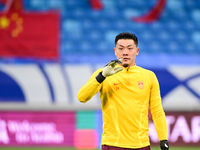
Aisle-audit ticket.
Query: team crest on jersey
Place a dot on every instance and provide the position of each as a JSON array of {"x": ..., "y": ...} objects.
[{"x": 140, "y": 84}]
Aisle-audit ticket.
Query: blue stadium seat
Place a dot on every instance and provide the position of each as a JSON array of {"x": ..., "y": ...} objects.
[{"x": 86, "y": 31}]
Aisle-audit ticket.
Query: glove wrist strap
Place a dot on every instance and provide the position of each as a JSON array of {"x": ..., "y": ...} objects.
[{"x": 100, "y": 78}]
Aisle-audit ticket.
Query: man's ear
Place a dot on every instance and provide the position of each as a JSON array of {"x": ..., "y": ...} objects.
[
  {"x": 137, "y": 50},
  {"x": 115, "y": 51}
]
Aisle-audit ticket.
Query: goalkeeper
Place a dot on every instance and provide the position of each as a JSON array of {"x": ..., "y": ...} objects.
[{"x": 127, "y": 91}]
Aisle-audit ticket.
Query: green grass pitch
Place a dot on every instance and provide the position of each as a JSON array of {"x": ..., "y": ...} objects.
[{"x": 46, "y": 148}]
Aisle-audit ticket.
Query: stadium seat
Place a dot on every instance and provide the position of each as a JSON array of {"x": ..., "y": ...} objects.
[{"x": 85, "y": 31}]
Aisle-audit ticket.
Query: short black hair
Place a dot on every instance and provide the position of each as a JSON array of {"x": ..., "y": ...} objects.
[{"x": 126, "y": 35}]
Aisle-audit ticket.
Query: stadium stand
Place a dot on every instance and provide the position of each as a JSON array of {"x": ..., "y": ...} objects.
[{"x": 88, "y": 32}]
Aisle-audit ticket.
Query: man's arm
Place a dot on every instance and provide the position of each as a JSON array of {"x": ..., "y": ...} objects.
[
  {"x": 87, "y": 91},
  {"x": 94, "y": 83},
  {"x": 158, "y": 114}
]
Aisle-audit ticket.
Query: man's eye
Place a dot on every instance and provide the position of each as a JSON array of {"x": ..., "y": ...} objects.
[
  {"x": 120, "y": 48},
  {"x": 130, "y": 48}
]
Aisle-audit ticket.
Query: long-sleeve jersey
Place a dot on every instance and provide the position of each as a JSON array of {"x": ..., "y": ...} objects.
[{"x": 125, "y": 99}]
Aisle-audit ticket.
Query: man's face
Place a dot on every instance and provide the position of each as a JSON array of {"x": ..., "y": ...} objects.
[{"x": 126, "y": 49}]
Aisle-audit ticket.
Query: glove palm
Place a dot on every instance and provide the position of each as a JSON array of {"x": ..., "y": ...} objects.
[{"x": 110, "y": 69}]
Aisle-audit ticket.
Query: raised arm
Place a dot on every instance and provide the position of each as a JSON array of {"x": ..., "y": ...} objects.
[
  {"x": 95, "y": 82},
  {"x": 87, "y": 91}
]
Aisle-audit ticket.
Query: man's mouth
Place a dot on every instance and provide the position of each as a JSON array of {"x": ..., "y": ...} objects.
[{"x": 125, "y": 59}]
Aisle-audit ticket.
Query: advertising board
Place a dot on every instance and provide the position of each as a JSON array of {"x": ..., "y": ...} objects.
[
  {"x": 36, "y": 128},
  {"x": 55, "y": 87},
  {"x": 83, "y": 129},
  {"x": 183, "y": 129}
]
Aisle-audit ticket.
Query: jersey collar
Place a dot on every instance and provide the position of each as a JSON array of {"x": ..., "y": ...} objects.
[{"x": 130, "y": 69}]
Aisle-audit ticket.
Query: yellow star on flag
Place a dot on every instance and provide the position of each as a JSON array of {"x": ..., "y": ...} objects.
[{"x": 4, "y": 22}]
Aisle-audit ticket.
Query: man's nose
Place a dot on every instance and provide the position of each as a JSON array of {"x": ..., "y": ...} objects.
[{"x": 125, "y": 52}]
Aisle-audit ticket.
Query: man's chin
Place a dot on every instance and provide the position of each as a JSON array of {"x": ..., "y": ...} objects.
[{"x": 125, "y": 65}]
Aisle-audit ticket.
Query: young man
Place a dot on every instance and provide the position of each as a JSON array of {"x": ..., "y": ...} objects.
[{"x": 126, "y": 92}]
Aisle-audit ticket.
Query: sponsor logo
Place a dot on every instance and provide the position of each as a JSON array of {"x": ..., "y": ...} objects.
[
  {"x": 183, "y": 129},
  {"x": 166, "y": 145},
  {"x": 117, "y": 83}
]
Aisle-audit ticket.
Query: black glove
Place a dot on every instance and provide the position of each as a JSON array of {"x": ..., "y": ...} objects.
[{"x": 164, "y": 145}]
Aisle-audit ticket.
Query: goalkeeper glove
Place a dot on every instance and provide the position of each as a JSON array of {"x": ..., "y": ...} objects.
[
  {"x": 109, "y": 70},
  {"x": 164, "y": 145}
]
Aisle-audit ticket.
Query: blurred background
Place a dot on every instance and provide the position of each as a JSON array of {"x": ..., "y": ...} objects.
[{"x": 50, "y": 48}]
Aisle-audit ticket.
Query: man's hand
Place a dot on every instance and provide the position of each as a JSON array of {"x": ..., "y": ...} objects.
[
  {"x": 109, "y": 70},
  {"x": 164, "y": 145}
]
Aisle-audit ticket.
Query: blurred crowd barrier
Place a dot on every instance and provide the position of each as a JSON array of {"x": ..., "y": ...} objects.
[{"x": 55, "y": 87}]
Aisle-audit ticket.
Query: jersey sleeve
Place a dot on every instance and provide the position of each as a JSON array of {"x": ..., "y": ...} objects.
[
  {"x": 88, "y": 90},
  {"x": 156, "y": 109}
]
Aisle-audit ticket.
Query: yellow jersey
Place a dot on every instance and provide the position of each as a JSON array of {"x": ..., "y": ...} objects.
[{"x": 125, "y": 99}]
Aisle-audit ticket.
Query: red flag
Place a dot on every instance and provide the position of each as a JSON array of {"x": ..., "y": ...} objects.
[
  {"x": 96, "y": 4},
  {"x": 153, "y": 14},
  {"x": 28, "y": 34}
]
